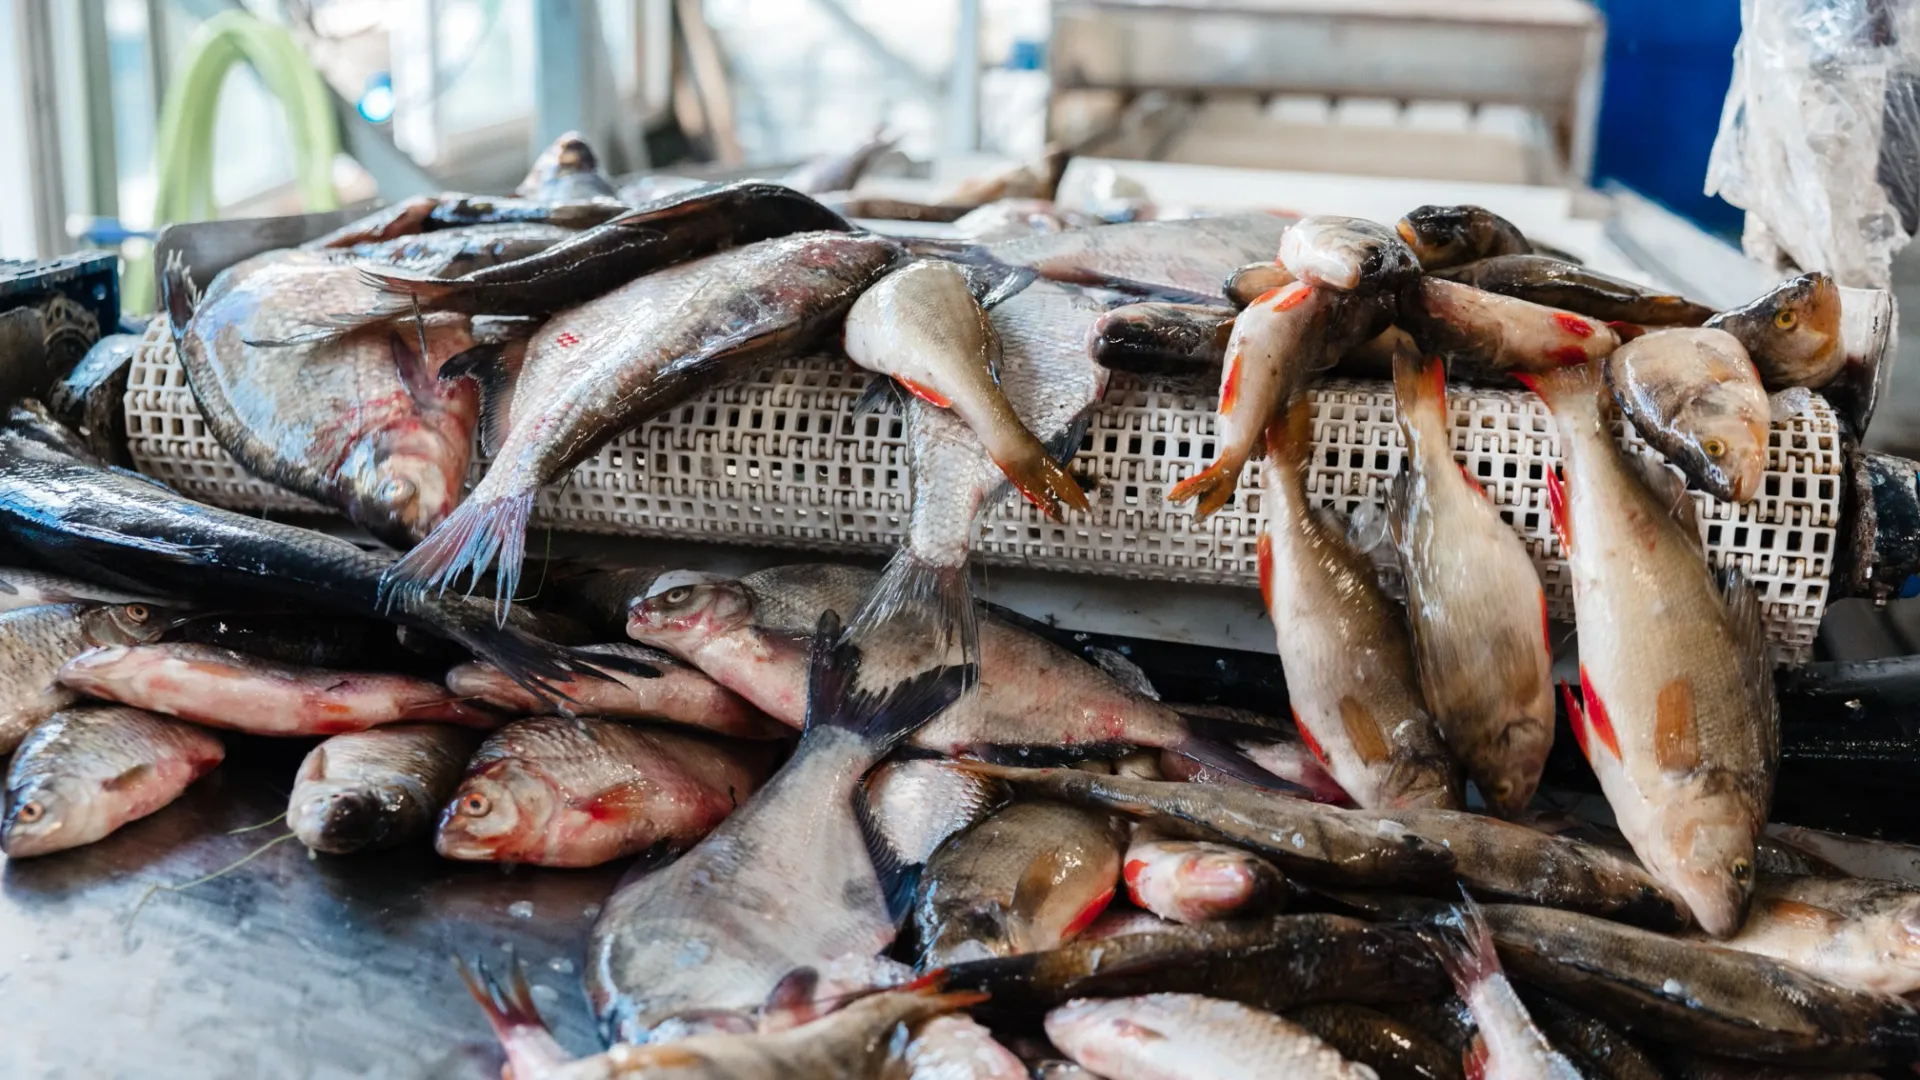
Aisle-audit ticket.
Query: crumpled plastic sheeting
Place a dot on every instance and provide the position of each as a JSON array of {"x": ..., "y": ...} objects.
[{"x": 1820, "y": 138}]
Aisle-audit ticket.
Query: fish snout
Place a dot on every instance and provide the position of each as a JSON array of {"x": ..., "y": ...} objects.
[
  {"x": 341, "y": 821},
  {"x": 93, "y": 671}
]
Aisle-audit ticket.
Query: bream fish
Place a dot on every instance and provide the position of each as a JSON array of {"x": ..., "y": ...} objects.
[
  {"x": 376, "y": 789},
  {"x": 918, "y": 804},
  {"x": 1856, "y": 932},
  {"x": 1163, "y": 1036},
  {"x": 89, "y": 770},
  {"x": 675, "y": 693},
  {"x": 36, "y": 641}
]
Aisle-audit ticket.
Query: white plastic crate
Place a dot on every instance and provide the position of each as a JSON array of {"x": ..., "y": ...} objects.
[{"x": 782, "y": 460}]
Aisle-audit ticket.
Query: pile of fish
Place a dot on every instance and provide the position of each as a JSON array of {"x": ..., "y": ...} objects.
[{"x": 879, "y": 829}]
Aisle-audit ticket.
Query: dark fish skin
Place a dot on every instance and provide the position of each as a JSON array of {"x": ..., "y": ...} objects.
[
  {"x": 1702, "y": 996},
  {"x": 601, "y": 598},
  {"x": 567, "y": 170},
  {"x": 1444, "y": 236},
  {"x": 839, "y": 172},
  {"x": 1161, "y": 339},
  {"x": 378, "y": 788},
  {"x": 1280, "y": 963},
  {"x": 1599, "y": 1049},
  {"x": 125, "y": 530},
  {"x": 1254, "y": 280},
  {"x": 453, "y": 252},
  {"x": 360, "y": 422},
  {"x": 452, "y": 210},
  {"x": 303, "y": 640},
  {"x": 1572, "y": 287},
  {"x": 647, "y": 238},
  {"x": 597, "y": 369},
  {"x": 1393, "y": 1048},
  {"x": 1792, "y": 333}
]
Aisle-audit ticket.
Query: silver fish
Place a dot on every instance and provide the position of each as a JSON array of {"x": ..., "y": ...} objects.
[
  {"x": 89, "y": 770},
  {"x": 1508, "y": 1045},
  {"x": 1347, "y": 253},
  {"x": 21, "y": 588},
  {"x": 918, "y": 804},
  {"x": 1166, "y": 1035},
  {"x": 676, "y": 693},
  {"x": 36, "y": 641},
  {"x": 379, "y": 788}
]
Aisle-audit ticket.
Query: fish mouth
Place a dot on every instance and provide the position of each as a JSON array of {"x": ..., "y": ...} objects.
[{"x": 341, "y": 822}]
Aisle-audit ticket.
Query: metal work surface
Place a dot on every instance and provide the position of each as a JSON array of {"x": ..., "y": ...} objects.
[{"x": 286, "y": 966}]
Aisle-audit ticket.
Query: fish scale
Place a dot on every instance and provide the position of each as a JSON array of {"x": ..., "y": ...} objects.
[
  {"x": 89, "y": 770},
  {"x": 36, "y": 641}
]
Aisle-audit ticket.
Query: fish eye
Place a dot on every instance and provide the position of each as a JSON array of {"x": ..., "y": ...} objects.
[
  {"x": 1742, "y": 871},
  {"x": 29, "y": 813},
  {"x": 138, "y": 613},
  {"x": 679, "y": 595},
  {"x": 398, "y": 489},
  {"x": 1785, "y": 319},
  {"x": 1713, "y": 447},
  {"x": 475, "y": 805}
]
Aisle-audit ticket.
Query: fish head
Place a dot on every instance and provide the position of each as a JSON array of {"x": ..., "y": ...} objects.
[
  {"x": 500, "y": 809},
  {"x": 555, "y": 173},
  {"x": 1722, "y": 440},
  {"x": 44, "y": 813},
  {"x": 1344, "y": 253},
  {"x": 403, "y": 484},
  {"x": 1711, "y": 863},
  {"x": 130, "y": 624},
  {"x": 1904, "y": 945},
  {"x": 1439, "y": 235},
  {"x": 1793, "y": 332},
  {"x": 343, "y": 818},
  {"x": 680, "y": 618}
]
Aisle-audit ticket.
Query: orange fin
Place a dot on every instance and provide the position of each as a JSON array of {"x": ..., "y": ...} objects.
[
  {"x": 924, "y": 393},
  {"x": 1306, "y": 736},
  {"x": 1085, "y": 919},
  {"x": 1557, "y": 505},
  {"x": 1597, "y": 717},
  {"x": 1576, "y": 719},
  {"x": 1474, "y": 482},
  {"x": 1045, "y": 484},
  {"x": 1230, "y": 385},
  {"x": 1213, "y": 485}
]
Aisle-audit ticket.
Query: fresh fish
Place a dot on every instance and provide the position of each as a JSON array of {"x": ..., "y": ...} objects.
[
  {"x": 1029, "y": 877},
  {"x": 641, "y": 241},
  {"x": 795, "y": 879},
  {"x": 595, "y": 370},
  {"x": 1485, "y": 334},
  {"x": 566, "y": 171},
  {"x": 1161, "y": 338},
  {"x": 1855, "y": 932},
  {"x": 454, "y": 210},
  {"x": 1679, "y": 722},
  {"x": 1393, "y": 1048},
  {"x": 287, "y": 635},
  {"x": 1119, "y": 921},
  {"x": 1474, "y": 601},
  {"x": 556, "y": 792},
  {"x": 1276, "y": 963},
  {"x": 1013, "y": 219},
  {"x": 379, "y": 788},
  {"x": 1347, "y": 253},
  {"x": 21, "y": 588},
  {"x": 89, "y": 770},
  {"x": 36, "y": 641},
  {"x": 1508, "y": 1046},
  {"x": 1708, "y": 998},
  {"x": 1569, "y": 286},
  {"x": 1036, "y": 179},
  {"x": 676, "y": 693},
  {"x": 750, "y": 634},
  {"x": 955, "y": 1047},
  {"x": 864, "y": 1041},
  {"x": 1695, "y": 397},
  {"x": 127, "y": 531},
  {"x": 921, "y": 326},
  {"x": 1277, "y": 344},
  {"x": 839, "y": 172},
  {"x": 1162, "y": 1036},
  {"x": 1185, "y": 260},
  {"x": 225, "y": 689},
  {"x": 1256, "y": 279},
  {"x": 1349, "y": 664},
  {"x": 1190, "y": 881},
  {"x": 361, "y": 423},
  {"x": 1599, "y": 1050},
  {"x": 1306, "y": 840},
  {"x": 1280, "y": 751},
  {"x": 601, "y": 598},
  {"x": 884, "y": 208},
  {"x": 1447, "y": 236},
  {"x": 1832, "y": 854},
  {"x": 1792, "y": 333},
  {"x": 454, "y": 252},
  {"x": 917, "y": 805}
]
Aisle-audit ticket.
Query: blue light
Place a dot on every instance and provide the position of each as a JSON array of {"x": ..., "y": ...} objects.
[{"x": 376, "y": 103}]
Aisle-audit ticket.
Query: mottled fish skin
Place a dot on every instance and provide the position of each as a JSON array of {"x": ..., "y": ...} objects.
[
  {"x": 922, "y": 326},
  {"x": 919, "y": 804},
  {"x": 678, "y": 693},
  {"x": 1855, "y": 932},
  {"x": 1572, "y": 287},
  {"x": 1792, "y": 332},
  {"x": 1679, "y": 723},
  {"x": 1485, "y": 334},
  {"x": 227, "y": 689},
  {"x": 1192, "y": 256},
  {"x": 1446, "y": 236},
  {"x": 22, "y": 588},
  {"x": 1696, "y": 397},
  {"x": 376, "y": 789},
  {"x": 1349, "y": 664},
  {"x": 1161, "y": 338},
  {"x": 453, "y": 252},
  {"x": 1703, "y": 996},
  {"x": 1393, "y": 1048},
  {"x": 36, "y": 641},
  {"x": 557, "y": 792},
  {"x": 1169, "y": 1036},
  {"x": 89, "y": 770},
  {"x": 1347, "y": 253},
  {"x": 361, "y": 423},
  {"x": 956, "y": 1047},
  {"x": 1474, "y": 602},
  {"x": 1190, "y": 881},
  {"x": 595, "y": 370},
  {"x": 1029, "y": 877},
  {"x": 1508, "y": 1044}
]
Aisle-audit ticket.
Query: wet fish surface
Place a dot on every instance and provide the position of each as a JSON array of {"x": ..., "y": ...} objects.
[
  {"x": 1158, "y": 338},
  {"x": 1188, "y": 881},
  {"x": 1508, "y": 1044},
  {"x": 89, "y": 770},
  {"x": 1394, "y": 1049},
  {"x": 376, "y": 789},
  {"x": 1485, "y": 334},
  {"x": 36, "y": 641},
  {"x": 1189, "y": 257},
  {"x": 675, "y": 693},
  {"x": 1792, "y": 333},
  {"x": 1556, "y": 283},
  {"x": 558, "y": 792},
  {"x": 1166, "y": 1035},
  {"x": 1857, "y": 932},
  {"x": 955, "y": 1047},
  {"x": 1347, "y": 253},
  {"x": 919, "y": 804},
  {"x": 1696, "y": 397},
  {"x": 23, "y": 588},
  {"x": 1446, "y": 236}
]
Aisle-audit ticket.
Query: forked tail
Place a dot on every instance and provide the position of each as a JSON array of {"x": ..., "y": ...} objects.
[
  {"x": 480, "y": 532},
  {"x": 531, "y": 1050},
  {"x": 1042, "y": 481},
  {"x": 917, "y": 601},
  {"x": 1468, "y": 954},
  {"x": 1213, "y": 485},
  {"x": 841, "y": 695}
]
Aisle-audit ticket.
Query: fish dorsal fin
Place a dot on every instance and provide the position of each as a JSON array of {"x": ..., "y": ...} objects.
[
  {"x": 1750, "y": 645},
  {"x": 1669, "y": 489},
  {"x": 899, "y": 879}
]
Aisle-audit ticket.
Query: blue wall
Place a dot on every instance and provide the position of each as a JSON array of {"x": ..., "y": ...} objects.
[{"x": 1668, "y": 65}]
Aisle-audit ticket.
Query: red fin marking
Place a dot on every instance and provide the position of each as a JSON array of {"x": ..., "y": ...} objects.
[
  {"x": 1473, "y": 1060},
  {"x": 1568, "y": 355},
  {"x": 1531, "y": 382},
  {"x": 1437, "y": 371},
  {"x": 1626, "y": 331},
  {"x": 1474, "y": 483},
  {"x": 1230, "y": 389},
  {"x": 1573, "y": 324},
  {"x": 1134, "y": 868},
  {"x": 1263, "y": 551},
  {"x": 1087, "y": 915},
  {"x": 1597, "y": 716},
  {"x": 1557, "y": 505},
  {"x": 1301, "y": 290},
  {"x": 1265, "y": 296},
  {"x": 1313, "y": 744},
  {"x": 937, "y": 400},
  {"x": 1575, "y": 718}
]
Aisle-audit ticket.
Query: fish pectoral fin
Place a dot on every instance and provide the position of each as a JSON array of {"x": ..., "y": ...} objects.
[
  {"x": 495, "y": 372},
  {"x": 881, "y": 395},
  {"x": 792, "y": 998},
  {"x": 624, "y": 800},
  {"x": 128, "y": 779},
  {"x": 1800, "y": 915},
  {"x": 1042, "y": 877}
]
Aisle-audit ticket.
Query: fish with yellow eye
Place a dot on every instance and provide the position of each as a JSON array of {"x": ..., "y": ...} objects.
[{"x": 1792, "y": 332}]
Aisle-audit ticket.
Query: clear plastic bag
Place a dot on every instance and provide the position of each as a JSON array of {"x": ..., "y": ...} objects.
[{"x": 1820, "y": 138}]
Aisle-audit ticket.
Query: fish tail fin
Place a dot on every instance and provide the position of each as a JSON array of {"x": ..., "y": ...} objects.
[
  {"x": 881, "y": 717},
  {"x": 474, "y": 536},
  {"x": 1042, "y": 480},
  {"x": 1223, "y": 758},
  {"x": 931, "y": 600},
  {"x": 400, "y": 290},
  {"x": 1212, "y": 486},
  {"x": 1469, "y": 956},
  {"x": 530, "y": 1047}
]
